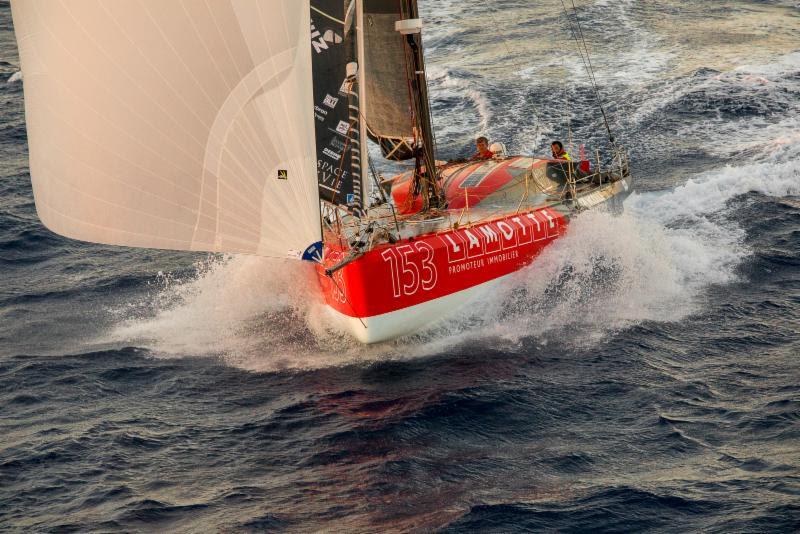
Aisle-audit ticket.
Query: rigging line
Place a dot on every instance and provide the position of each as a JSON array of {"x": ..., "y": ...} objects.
[
  {"x": 587, "y": 61},
  {"x": 585, "y": 47},
  {"x": 334, "y": 19},
  {"x": 567, "y": 111},
  {"x": 583, "y": 50},
  {"x": 421, "y": 102},
  {"x": 537, "y": 125},
  {"x": 371, "y": 165},
  {"x": 579, "y": 48},
  {"x": 592, "y": 81},
  {"x": 433, "y": 141},
  {"x": 583, "y": 57}
]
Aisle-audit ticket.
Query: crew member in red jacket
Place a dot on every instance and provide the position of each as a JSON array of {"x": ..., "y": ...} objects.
[{"x": 483, "y": 152}]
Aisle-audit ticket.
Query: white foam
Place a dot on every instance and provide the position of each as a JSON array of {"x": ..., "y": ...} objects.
[
  {"x": 777, "y": 66},
  {"x": 444, "y": 83},
  {"x": 257, "y": 314},
  {"x": 653, "y": 263},
  {"x": 664, "y": 252},
  {"x": 15, "y": 78},
  {"x": 214, "y": 312}
]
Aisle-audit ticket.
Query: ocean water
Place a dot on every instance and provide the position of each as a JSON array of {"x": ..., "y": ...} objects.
[{"x": 643, "y": 375}]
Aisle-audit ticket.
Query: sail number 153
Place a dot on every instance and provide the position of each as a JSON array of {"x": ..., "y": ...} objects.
[{"x": 412, "y": 268}]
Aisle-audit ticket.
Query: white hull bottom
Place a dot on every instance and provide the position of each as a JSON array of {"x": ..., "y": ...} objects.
[{"x": 414, "y": 318}]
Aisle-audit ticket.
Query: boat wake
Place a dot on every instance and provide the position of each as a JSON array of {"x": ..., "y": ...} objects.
[{"x": 653, "y": 263}]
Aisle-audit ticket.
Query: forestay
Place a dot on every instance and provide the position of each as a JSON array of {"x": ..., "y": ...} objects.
[{"x": 172, "y": 124}]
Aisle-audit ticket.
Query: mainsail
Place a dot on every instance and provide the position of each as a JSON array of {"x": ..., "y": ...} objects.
[
  {"x": 398, "y": 109},
  {"x": 390, "y": 77},
  {"x": 390, "y": 117},
  {"x": 336, "y": 101},
  {"x": 172, "y": 124}
]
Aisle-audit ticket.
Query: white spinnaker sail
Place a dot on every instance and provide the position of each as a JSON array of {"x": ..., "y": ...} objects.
[{"x": 167, "y": 123}]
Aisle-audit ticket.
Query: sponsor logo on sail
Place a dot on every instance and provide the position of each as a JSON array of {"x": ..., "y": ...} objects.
[
  {"x": 283, "y": 174},
  {"x": 330, "y": 101},
  {"x": 337, "y": 144},
  {"x": 343, "y": 127},
  {"x": 320, "y": 113},
  {"x": 321, "y": 41},
  {"x": 331, "y": 154},
  {"x": 329, "y": 174}
]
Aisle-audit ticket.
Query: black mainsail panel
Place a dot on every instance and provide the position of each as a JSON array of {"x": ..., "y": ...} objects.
[{"x": 333, "y": 48}]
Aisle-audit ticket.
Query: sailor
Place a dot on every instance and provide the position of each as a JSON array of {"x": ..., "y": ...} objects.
[
  {"x": 483, "y": 153},
  {"x": 558, "y": 151}
]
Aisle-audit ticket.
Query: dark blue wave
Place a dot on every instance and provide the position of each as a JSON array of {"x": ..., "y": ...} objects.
[
  {"x": 621, "y": 509},
  {"x": 674, "y": 425}
]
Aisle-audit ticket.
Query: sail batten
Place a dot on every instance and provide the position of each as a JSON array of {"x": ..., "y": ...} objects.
[{"x": 181, "y": 125}]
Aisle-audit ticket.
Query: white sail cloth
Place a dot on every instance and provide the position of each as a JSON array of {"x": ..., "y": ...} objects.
[{"x": 179, "y": 124}]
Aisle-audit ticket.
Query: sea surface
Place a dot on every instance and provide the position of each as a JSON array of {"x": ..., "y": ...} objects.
[{"x": 643, "y": 375}]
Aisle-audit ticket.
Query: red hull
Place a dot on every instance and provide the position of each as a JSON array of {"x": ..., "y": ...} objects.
[{"x": 389, "y": 278}]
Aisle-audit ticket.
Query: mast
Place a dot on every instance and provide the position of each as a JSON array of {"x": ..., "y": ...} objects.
[
  {"x": 362, "y": 102},
  {"x": 425, "y": 180}
]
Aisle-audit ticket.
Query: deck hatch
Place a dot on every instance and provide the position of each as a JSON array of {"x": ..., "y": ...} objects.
[{"x": 477, "y": 176}]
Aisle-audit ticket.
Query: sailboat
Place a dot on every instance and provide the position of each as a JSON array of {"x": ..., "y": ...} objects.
[{"x": 241, "y": 126}]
